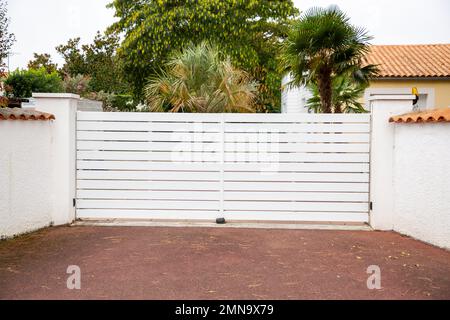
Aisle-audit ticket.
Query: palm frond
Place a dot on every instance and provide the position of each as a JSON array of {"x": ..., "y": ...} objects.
[
  {"x": 198, "y": 79},
  {"x": 324, "y": 45}
]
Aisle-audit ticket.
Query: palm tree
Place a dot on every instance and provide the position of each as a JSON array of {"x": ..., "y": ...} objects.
[
  {"x": 323, "y": 45},
  {"x": 346, "y": 96},
  {"x": 199, "y": 80}
]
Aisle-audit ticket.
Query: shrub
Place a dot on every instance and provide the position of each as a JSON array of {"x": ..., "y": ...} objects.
[
  {"x": 123, "y": 102},
  {"x": 23, "y": 83},
  {"x": 4, "y": 101},
  {"x": 114, "y": 102},
  {"x": 199, "y": 79},
  {"x": 78, "y": 84}
]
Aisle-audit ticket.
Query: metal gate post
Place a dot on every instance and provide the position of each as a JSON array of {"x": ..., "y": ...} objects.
[{"x": 222, "y": 164}]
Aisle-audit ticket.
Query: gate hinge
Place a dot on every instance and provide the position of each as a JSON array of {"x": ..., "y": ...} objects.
[
  {"x": 371, "y": 205},
  {"x": 74, "y": 202}
]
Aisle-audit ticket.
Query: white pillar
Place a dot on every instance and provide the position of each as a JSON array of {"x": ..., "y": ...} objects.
[
  {"x": 382, "y": 151},
  {"x": 64, "y": 107}
]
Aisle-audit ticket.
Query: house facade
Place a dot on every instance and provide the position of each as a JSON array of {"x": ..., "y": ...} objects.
[{"x": 401, "y": 68}]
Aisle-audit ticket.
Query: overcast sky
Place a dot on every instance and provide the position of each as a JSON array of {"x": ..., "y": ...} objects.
[{"x": 41, "y": 25}]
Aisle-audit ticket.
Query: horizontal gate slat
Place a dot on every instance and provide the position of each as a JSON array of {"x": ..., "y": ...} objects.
[
  {"x": 297, "y": 216},
  {"x": 229, "y": 186},
  {"x": 216, "y": 117},
  {"x": 268, "y": 177},
  {"x": 230, "y": 215},
  {"x": 147, "y": 185},
  {"x": 141, "y": 165},
  {"x": 280, "y": 137},
  {"x": 148, "y": 175},
  {"x": 263, "y": 168},
  {"x": 228, "y": 205},
  {"x": 297, "y": 196},
  {"x": 295, "y": 206},
  {"x": 295, "y": 147},
  {"x": 215, "y": 195},
  {"x": 297, "y": 127},
  {"x": 296, "y": 157},
  {"x": 147, "y": 146},
  {"x": 145, "y": 195},
  {"x": 229, "y": 127},
  {"x": 297, "y": 167},
  {"x": 147, "y": 117},
  {"x": 229, "y": 147},
  {"x": 147, "y": 126},
  {"x": 147, "y": 204},
  {"x": 229, "y": 156},
  {"x": 209, "y": 215},
  {"x": 295, "y": 176},
  {"x": 296, "y": 118},
  {"x": 229, "y": 137},
  {"x": 148, "y": 136},
  {"x": 297, "y": 186},
  {"x": 151, "y": 156}
]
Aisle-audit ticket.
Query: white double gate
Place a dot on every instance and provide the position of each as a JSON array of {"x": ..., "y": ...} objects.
[{"x": 248, "y": 167}]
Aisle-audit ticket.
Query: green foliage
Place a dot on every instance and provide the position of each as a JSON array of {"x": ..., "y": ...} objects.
[
  {"x": 78, "y": 84},
  {"x": 322, "y": 46},
  {"x": 42, "y": 61},
  {"x": 198, "y": 79},
  {"x": 23, "y": 83},
  {"x": 247, "y": 31},
  {"x": 123, "y": 102},
  {"x": 75, "y": 63},
  {"x": 114, "y": 102},
  {"x": 98, "y": 61},
  {"x": 4, "y": 101},
  {"x": 346, "y": 95},
  {"x": 7, "y": 39}
]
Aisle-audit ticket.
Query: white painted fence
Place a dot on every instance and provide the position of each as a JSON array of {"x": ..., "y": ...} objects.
[{"x": 254, "y": 167}]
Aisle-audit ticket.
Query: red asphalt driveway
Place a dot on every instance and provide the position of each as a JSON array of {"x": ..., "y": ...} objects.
[{"x": 220, "y": 263}]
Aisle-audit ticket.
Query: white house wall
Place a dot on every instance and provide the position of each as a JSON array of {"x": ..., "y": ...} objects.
[{"x": 293, "y": 100}]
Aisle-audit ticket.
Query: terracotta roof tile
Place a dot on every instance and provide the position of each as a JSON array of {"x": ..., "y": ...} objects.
[
  {"x": 411, "y": 61},
  {"x": 436, "y": 115},
  {"x": 23, "y": 114}
]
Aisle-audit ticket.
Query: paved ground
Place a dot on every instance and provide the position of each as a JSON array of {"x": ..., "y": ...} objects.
[{"x": 202, "y": 263}]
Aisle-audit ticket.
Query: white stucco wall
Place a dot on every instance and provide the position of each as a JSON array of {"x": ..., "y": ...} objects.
[
  {"x": 64, "y": 107},
  {"x": 422, "y": 182},
  {"x": 382, "y": 155},
  {"x": 37, "y": 167},
  {"x": 26, "y": 160}
]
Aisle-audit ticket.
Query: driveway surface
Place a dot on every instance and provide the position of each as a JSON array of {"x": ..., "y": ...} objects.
[{"x": 220, "y": 263}]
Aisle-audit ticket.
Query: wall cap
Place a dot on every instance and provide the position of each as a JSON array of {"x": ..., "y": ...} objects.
[
  {"x": 388, "y": 97},
  {"x": 56, "y": 95}
]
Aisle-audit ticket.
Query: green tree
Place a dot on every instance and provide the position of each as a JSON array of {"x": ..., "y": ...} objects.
[
  {"x": 199, "y": 80},
  {"x": 97, "y": 60},
  {"x": 104, "y": 66},
  {"x": 42, "y": 61},
  {"x": 7, "y": 39},
  {"x": 248, "y": 31},
  {"x": 323, "y": 45},
  {"x": 75, "y": 62},
  {"x": 23, "y": 83},
  {"x": 346, "y": 96}
]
